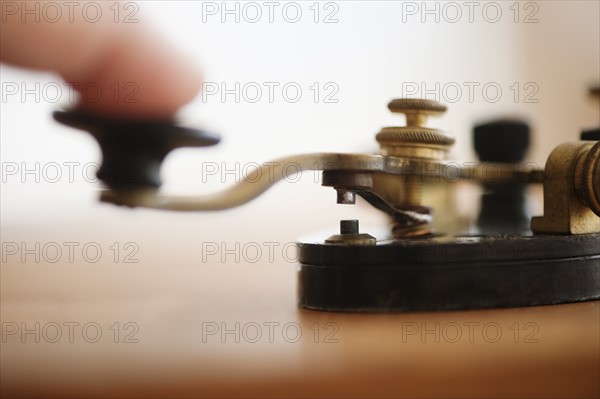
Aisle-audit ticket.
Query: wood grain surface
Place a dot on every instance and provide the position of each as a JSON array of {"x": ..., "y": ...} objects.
[{"x": 187, "y": 328}]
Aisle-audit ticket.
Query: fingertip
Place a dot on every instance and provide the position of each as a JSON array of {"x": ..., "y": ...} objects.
[{"x": 141, "y": 77}]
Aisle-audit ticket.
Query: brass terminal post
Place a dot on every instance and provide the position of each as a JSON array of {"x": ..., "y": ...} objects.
[
  {"x": 571, "y": 190},
  {"x": 413, "y": 142}
]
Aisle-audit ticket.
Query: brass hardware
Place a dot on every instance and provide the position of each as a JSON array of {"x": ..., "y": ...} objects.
[
  {"x": 415, "y": 140},
  {"x": 571, "y": 190},
  {"x": 412, "y": 142},
  {"x": 587, "y": 178}
]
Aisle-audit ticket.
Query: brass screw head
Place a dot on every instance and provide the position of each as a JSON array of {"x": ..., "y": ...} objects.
[
  {"x": 416, "y": 110},
  {"x": 415, "y": 140}
]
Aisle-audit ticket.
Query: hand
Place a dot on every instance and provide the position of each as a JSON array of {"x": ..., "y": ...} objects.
[{"x": 138, "y": 74}]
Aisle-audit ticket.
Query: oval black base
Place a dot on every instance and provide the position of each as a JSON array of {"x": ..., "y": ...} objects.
[{"x": 461, "y": 273}]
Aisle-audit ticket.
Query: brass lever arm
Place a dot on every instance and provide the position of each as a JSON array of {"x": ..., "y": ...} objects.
[{"x": 262, "y": 178}]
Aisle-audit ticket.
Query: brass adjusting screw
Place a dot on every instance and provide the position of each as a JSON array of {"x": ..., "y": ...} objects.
[{"x": 414, "y": 141}]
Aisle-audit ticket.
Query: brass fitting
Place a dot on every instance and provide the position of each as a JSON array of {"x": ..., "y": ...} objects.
[
  {"x": 571, "y": 190},
  {"x": 587, "y": 178},
  {"x": 413, "y": 142}
]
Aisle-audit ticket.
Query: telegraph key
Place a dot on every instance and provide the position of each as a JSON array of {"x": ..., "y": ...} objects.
[{"x": 507, "y": 259}]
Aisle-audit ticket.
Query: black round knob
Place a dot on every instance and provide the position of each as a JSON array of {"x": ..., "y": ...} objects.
[
  {"x": 593, "y": 135},
  {"x": 133, "y": 151},
  {"x": 501, "y": 141}
]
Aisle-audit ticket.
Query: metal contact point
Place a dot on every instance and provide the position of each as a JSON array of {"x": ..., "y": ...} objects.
[
  {"x": 349, "y": 226},
  {"x": 346, "y": 197}
]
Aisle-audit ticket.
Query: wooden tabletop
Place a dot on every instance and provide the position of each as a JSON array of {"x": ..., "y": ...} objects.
[{"x": 172, "y": 325}]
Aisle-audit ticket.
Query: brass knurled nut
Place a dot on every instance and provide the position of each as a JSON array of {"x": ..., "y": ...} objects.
[{"x": 415, "y": 140}]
